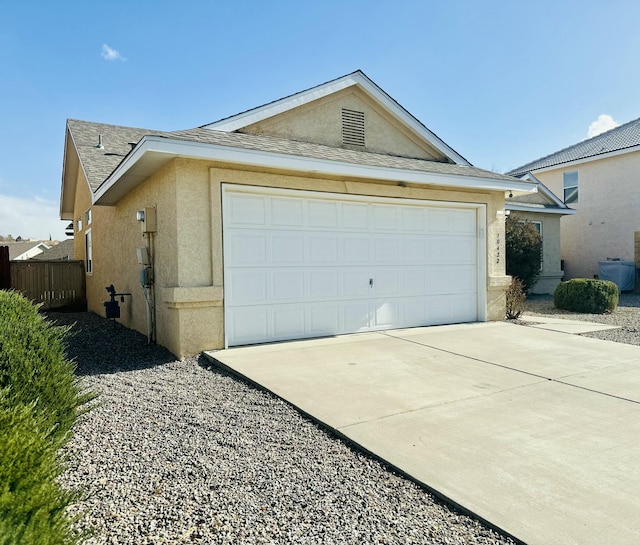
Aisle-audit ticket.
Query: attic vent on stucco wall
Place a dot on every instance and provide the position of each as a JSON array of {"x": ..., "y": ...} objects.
[{"x": 353, "y": 128}]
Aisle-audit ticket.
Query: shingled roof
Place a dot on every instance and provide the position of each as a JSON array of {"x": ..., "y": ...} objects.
[
  {"x": 118, "y": 141},
  {"x": 622, "y": 137}
]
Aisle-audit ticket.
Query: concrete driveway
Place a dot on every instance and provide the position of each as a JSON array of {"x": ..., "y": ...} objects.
[{"x": 536, "y": 431}]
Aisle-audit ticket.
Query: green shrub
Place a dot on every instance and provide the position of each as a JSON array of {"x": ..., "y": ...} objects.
[
  {"x": 586, "y": 295},
  {"x": 32, "y": 505},
  {"x": 33, "y": 364},
  {"x": 523, "y": 250},
  {"x": 516, "y": 296},
  {"x": 39, "y": 401}
]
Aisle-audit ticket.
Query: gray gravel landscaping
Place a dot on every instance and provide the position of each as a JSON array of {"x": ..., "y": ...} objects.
[
  {"x": 626, "y": 317},
  {"x": 178, "y": 452}
]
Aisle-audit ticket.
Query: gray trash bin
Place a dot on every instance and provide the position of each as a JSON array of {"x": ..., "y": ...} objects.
[{"x": 622, "y": 273}]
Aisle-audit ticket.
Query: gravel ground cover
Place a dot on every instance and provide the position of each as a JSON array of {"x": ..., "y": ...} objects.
[
  {"x": 177, "y": 452},
  {"x": 626, "y": 316}
]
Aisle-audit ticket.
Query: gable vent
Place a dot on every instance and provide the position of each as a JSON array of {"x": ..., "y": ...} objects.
[{"x": 353, "y": 128}]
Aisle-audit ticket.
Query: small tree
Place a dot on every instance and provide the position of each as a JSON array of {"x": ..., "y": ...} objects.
[{"x": 524, "y": 249}]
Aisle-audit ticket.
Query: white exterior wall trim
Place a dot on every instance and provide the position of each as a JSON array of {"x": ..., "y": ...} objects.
[
  {"x": 524, "y": 208},
  {"x": 133, "y": 169}
]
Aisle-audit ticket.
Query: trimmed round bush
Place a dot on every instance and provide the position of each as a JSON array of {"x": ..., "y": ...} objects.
[{"x": 586, "y": 295}]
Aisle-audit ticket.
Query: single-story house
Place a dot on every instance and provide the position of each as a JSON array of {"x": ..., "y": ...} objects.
[
  {"x": 330, "y": 211},
  {"x": 25, "y": 249},
  {"x": 61, "y": 251},
  {"x": 544, "y": 210},
  {"x": 598, "y": 177}
]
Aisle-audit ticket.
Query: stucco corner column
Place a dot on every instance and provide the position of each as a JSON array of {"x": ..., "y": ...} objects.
[
  {"x": 198, "y": 321},
  {"x": 496, "y": 297}
]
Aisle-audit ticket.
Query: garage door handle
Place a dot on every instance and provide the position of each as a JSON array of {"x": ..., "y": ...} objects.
[{"x": 371, "y": 282}]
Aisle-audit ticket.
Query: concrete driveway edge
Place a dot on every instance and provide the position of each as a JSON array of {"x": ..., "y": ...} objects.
[{"x": 210, "y": 356}]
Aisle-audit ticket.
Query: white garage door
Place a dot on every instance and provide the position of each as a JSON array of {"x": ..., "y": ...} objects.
[{"x": 302, "y": 264}]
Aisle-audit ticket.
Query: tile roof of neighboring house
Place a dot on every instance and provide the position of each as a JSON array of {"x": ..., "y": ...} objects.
[
  {"x": 16, "y": 249},
  {"x": 58, "y": 252},
  {"x": 622, "y": 137},
  {"x": 100, "y": 163}
]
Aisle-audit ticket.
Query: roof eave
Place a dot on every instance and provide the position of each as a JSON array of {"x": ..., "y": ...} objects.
[
  {"x": 70, "y": 164},
  {"x": 524, "y": 208},
  {"x": 566, "y": 164},
  {"x": 152, "y": 152}
]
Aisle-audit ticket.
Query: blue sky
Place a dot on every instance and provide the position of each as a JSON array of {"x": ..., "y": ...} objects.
[{"x": 502, "y": 82}]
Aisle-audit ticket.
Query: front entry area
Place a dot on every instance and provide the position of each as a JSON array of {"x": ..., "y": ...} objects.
[{"x": 300, "y": 264}]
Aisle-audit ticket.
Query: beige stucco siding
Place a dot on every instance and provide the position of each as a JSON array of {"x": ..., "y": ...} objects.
[
  {"x": 551, "y": 274},
  {"x": 189, "y": 240},
  {"x": 607, "y": 212},
  {"x": 320, "y": 122},
  {"x": 116, "y": 236}
]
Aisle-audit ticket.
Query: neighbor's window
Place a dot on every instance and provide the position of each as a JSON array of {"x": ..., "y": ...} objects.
[
  {"x": 88, "y": 256},
  {"x": 78, "y": 225},
  {"x": 87, "y": 217},
  {"x": 570, "y": 186}
]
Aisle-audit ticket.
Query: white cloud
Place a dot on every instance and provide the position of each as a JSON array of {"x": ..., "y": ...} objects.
[
  {"x": 33, "y": 218},
  {"x": 604, "y": 123},
  {"x": 111, "y": 54}
]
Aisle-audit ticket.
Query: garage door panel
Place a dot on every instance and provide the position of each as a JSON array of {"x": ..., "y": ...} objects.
[
  {"x": 287, "y": 212},
  {"x": 322, "y": 214},
  {"x": 438, "y": 220},
  {"x": 463, "y": 222},
  {"x": 309, "y": 266},
  {"x": 355, "y": 316},
  {"x": 386, "y": 282},
  {"x": 246, "y": 248},
  {"x": 414, "y": 311},
  {"x": 413, "y": 219},
  {"x": 355, "y": 249},
  {"x": 247, "y": 210},
  {"x": 355, "y": 216},
  {"x": 355, "y": 283},
  {"x": 323, "y": 284},
  {"x": 246, "y": 286},
  {"x": 385, "y": 217},
  {"x": 324, "y": 319},
  {"x": 322, "y": 249},
  {"x": 286, "y": 248},
  {"x": 287, "y": 285},
  {"x": 386, "y": 249},
  {"x": 414, "y": 282},
  {"x": 288, "y": 321},
  {"x": 415, "y": 250},
  {"x": 248, "y": 324}
]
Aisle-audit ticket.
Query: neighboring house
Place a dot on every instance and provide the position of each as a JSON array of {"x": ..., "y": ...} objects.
[
  {"x": 544, "y": 209},
  {"x": 23, "y": 250},
  {"x": 330, "y": 211},
  {"x": 600, "y": 178},
  {"x": 62, "y": 251}
]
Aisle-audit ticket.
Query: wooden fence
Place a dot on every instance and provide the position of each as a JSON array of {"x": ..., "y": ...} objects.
[{"x": 55, "y": 284}]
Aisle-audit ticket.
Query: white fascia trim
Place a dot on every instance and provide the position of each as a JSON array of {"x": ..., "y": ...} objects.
[
  {"x": 279, "y": 106},
  {"x": 576, "y": 162},
  {"x": 524, "y": 208},
  {"x": 304, "y": 97},
  {"x": 214, "y": 152}
]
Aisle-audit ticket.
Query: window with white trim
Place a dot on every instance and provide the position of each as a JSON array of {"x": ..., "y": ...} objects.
[
  {"x": 88, "y": 255},
  {"x": 87, "y": 217},
  {"x": 570, "y": 186},
  {"x": 79, "y": 225}
]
